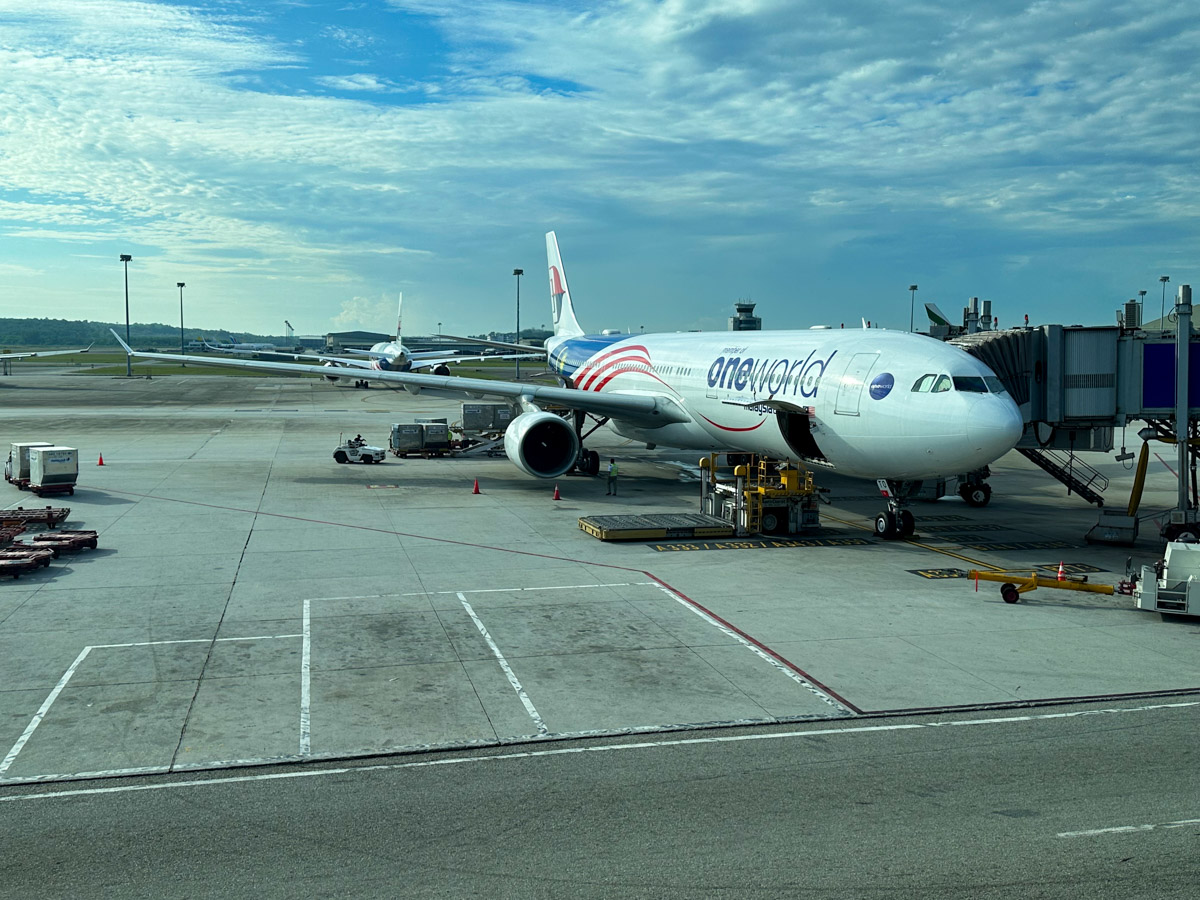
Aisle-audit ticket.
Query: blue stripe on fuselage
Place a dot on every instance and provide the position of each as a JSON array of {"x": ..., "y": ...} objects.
[{"x": 572, "y": 353}]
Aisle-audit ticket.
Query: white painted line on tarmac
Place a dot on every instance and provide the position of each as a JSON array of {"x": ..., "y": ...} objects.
[
  {"x": 305, "y": 681},
  {"x": 42, "y": 710},
  {"x": 1128, "y": 829},
  {"x": 591, "y": 748},
  {"x": 512, "y": 678},
  {"x": 62, "y": 682},
  {"x": 510, "y": 590},
  {"x": 759, "y": 652}
]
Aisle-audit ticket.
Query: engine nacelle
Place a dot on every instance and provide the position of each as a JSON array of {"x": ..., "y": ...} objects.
[
  {"x": 541, "y": 444},
  {"x": 441, "y": 369},
  {"x": 333, "y": 378}
]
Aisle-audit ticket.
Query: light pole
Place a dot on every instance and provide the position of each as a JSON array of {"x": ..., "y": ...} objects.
[
  {"x": 439, "y": 332},
  {"x": 518, "y": 273},
  {"x": 1162, "y": 310},
  {"x": 912, "y": 302},
  {"x": 125, "y": 258},
  {"x": 180, "y": 285}
]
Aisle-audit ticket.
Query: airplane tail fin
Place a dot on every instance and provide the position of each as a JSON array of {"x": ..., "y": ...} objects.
[
  {"x": 399, "y": 315},
  {"x": 565, "y": 324}
]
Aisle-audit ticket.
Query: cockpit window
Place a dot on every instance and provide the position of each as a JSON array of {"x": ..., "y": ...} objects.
[
  {"x": 942, "y": 384},
  {"x": 923, "y": 384},
  {"x": 995, "y": 385},
  {"x": 972, "y": 384}
]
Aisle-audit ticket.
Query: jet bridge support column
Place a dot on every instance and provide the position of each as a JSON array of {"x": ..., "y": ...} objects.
[{"x": 1183, "y": 337}]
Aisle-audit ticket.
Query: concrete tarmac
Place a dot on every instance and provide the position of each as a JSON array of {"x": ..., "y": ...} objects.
[
  {"x": 1094, "y": 801},
  {"x": 252, "y": 601}
]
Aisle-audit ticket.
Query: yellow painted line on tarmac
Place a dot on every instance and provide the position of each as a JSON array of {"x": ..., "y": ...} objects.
[{"x": 975, "y": 562}]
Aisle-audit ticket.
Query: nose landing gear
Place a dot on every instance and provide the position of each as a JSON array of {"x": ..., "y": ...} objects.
[{"x": 896, "y": 522}]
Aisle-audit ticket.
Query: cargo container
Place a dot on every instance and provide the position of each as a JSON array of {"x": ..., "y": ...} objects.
[
  {"x": 16, "y": 469},
  {"x": 407, "y": 436},
  {"x": 53, "y": 470},
  {"x": 436, "y": 435},
  {"x": 482, "y": 418}
]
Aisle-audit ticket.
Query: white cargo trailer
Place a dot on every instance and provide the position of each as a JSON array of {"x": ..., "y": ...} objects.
[
  {"x": 53, "y": 470},
  {"x": 16, "y": 469}
]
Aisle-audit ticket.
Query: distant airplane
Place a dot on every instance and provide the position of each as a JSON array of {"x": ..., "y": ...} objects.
[
  {"x": 894, "y": 407},
  {"x": 244, "y": 346},
  {"x": 385, "y": 356}
]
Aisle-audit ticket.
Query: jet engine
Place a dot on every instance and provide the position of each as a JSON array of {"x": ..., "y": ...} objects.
[
  {"x": 333, "y": 378},
  {"x": 441, "y": 369},
  {"x": 541, "y": 444}
]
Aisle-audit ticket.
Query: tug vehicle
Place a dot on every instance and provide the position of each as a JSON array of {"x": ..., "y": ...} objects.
[{"x": 358, "y": 450}]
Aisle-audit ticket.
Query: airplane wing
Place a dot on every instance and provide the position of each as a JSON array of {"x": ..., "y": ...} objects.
[
  {"x": 39, "y": 353},
  {"x": 501, "y": 345},
  {"x": 643, "y": 409},
  {"x": 336, "y": 360}
]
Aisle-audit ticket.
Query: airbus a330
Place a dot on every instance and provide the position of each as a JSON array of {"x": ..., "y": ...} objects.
[{"x": 882, "y": 405}]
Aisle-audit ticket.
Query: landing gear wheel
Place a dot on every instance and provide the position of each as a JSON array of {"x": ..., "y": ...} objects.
[
  {"x": 906, "y": 524},
  {"x": 1009, "y": 592},
  {"x": 976, "y": 494},
  {"x": 885, "y": 525},
  {"x": 593, "y": 462},
  {"x": 340, "y": 456}
]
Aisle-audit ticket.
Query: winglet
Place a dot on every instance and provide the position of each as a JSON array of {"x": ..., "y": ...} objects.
[{"x": 128, "y": 350}]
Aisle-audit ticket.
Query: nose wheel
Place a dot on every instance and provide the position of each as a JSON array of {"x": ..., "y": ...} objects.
[{"x": 895, "y": 524}]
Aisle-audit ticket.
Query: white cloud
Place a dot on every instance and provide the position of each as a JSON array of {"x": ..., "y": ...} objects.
[{"x": 194, "y": 138}]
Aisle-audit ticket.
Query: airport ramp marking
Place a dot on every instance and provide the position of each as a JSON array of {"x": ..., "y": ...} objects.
[
  {"x": 508, "y": 590},
  {"x": 44, "y": 709},
  {"x": 1128, "y": 829},
  {"x": 763, "y": 652},
  {"x": 306, "y": 681},
  {"x": 599, "y": 748},
  {"x": 975, "y": 563},
  {"x": 508, "y": 672}
]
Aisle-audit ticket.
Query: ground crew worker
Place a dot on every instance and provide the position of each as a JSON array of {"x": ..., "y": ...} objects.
[{"x": 612, "y": 477}]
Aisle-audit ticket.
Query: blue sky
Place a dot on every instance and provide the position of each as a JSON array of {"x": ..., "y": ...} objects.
[{"x": 307, "y": 160}]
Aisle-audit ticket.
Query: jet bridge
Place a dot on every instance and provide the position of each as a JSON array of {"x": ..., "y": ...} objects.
[{"x": 1076, "y": 385}]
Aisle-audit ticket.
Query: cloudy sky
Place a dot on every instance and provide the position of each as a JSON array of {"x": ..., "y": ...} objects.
[{"x": 307, "y": 160}]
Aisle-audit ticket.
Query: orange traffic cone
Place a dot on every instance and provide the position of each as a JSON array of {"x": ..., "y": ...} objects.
[
  {"x": 101, "y": 462},
  {"x": 475, "y": 490},
  {"x": 1061, "y": 576},
  {"x": 556, "y": 494}
]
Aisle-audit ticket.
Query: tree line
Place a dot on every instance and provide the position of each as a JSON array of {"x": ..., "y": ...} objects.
[{"x": 54, "y": 334}]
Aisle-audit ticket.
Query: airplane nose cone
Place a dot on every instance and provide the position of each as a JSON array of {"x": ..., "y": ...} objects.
[{"x": 994, "y": 425}]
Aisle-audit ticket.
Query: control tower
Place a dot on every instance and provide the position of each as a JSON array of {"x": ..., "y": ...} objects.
[{"x": 744, "y": 318}]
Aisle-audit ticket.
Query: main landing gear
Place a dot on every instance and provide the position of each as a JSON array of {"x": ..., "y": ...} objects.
[
  {"x": 588, "y": 462},
  {"x": 896, "y": 522}
]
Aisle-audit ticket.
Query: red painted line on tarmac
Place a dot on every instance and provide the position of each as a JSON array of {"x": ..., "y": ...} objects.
[
  {"x": 1168, "y": 465},
  {"x": 757, "y": 643},
  {"x": 749, "y": 638}
]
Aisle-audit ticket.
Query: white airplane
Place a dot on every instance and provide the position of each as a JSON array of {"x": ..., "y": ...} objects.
[
  {"x": 889, "y": 406},
  {"x": 241, "y": 347},
  {"x": 385, "y": 356}
]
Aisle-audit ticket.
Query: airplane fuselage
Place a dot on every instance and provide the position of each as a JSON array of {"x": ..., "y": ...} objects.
[{"x": 870, "y": 403}]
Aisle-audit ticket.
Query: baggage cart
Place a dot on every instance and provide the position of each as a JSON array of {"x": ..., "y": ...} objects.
[{"x": 53, "y": 470}]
